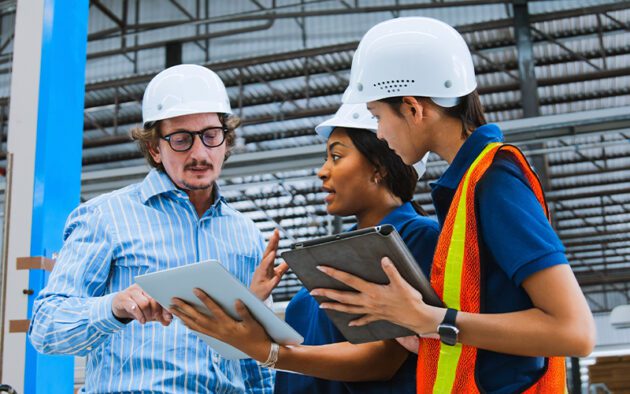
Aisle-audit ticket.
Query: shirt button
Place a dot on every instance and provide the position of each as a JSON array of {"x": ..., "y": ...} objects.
[
  {"x": 216, "y": 358},
  {"x": 89, "y": 348}
]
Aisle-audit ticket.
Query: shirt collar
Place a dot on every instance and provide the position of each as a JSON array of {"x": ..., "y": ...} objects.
[
  {"x": 155, "y": 183},
  {"x": 468, "y": 152},
  {"x": 396, "y": 216},
  {"x": 399, "y": 214},
  {"x": 158, "y": 182}
]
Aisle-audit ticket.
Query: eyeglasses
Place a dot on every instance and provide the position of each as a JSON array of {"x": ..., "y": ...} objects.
[{"x": 181, "y": 141}]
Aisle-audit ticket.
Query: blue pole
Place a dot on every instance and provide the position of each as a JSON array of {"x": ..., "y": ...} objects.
[{"x": 57, "y": 184}]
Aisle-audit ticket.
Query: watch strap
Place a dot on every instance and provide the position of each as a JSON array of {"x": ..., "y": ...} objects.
[{"x": 449, "y": 318}]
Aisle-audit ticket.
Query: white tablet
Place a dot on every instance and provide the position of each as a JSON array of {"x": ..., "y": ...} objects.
[{"x": 211, "y": 277}]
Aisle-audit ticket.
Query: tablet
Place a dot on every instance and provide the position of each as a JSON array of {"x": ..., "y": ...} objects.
[
  {"x": 359, "y": 252},
  {"x": 211, "y": 277}
]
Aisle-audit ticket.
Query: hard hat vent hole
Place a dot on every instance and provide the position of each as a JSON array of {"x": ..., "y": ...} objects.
[
  {"x": 394, "y": 85},
  {"x": 355, "y": 115},
  {"x": 159, "y": 107},
  {"x": 448, "y": 83}
]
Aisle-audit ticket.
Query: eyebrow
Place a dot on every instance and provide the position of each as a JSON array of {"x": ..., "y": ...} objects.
[
  {"x": 332, "y": 145},
  {"x": 177, "y": 130}
]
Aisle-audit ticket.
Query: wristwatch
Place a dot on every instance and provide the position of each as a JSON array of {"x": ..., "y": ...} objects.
[{"x": 447, "y": 329}]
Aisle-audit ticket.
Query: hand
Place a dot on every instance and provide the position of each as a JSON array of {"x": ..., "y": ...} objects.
[
  {"x": 397, "y": 302},
  {"x": 247, "y": 335},
  {"x": 266, "y": 277},
  {"x": 411, "y": 343},
  {"x": 133, "y": 303}
]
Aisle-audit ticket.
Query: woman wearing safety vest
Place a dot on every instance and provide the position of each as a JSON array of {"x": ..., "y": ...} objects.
[
  {"x": 513, "y": 305},
  {"x": 363, "y": 178}
]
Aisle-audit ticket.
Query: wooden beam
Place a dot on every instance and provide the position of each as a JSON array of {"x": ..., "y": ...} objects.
[
  {"x": 35, "y": 263},
  {"x": 19, "y": 325}
]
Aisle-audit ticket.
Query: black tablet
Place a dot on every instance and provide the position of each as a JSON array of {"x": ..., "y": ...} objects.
[{"x": 359, "y": 253}]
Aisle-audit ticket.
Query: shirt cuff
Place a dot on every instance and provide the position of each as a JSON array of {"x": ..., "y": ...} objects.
[
  {"x": 539, "y": 264},
  {"x": 101, "y": 316}
]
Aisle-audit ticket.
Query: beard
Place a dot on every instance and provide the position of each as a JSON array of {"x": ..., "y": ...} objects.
[{"x": 190, "y": 186}]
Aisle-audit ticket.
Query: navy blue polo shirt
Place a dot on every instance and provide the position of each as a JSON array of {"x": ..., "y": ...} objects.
[
  {"x": 515, "y": 241},
  {"x": 304, "y": 315}
]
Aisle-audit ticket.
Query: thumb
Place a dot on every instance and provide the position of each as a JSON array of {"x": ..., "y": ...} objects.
[{"x": 392, "y": 273}]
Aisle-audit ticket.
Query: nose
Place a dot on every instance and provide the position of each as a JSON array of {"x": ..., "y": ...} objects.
[
  {"x": 198, "y": 148},
  {"x": 379, "y": 133},
  {"x": 324, "y": 172}
]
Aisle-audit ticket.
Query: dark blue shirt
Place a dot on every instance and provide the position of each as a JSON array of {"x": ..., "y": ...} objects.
[
  {"x": 303, "y": 314},
  {"x": 515, "y": 241}
]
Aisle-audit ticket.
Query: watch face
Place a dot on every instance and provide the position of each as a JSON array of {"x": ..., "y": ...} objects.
[{"x": 448, "y": 334}]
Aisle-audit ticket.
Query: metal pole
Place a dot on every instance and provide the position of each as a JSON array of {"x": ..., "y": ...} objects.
[{"x": 5, "y": 250}]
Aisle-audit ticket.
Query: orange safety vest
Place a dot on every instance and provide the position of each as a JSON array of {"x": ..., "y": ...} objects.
[{"x": 455, "y": 276}]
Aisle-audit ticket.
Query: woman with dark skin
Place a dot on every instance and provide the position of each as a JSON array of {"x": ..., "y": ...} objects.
[
  {"x": 513, "y": 305},
  {"x": 365, "y": 179},
  {"x": 513, "y": 301}
]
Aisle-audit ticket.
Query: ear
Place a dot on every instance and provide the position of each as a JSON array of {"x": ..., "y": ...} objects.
[
  {"x": 412, "y": 108},
  {"x": 379, "y": 174},
  {"x": 154, "y": 151}
]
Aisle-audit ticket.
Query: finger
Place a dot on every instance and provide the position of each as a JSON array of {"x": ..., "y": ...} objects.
[
  {"x": 144, "y": 304},
  {"x": 392, "y": 273},
  {"x": 272, "y": 246},
  {"x": 156, "y": 308},
  {"x": 344, "y": 297},
  {"x": 167, "y": 317},
  {"x": 132, "y": 308},
  {"x": 188, "y": 321},
  {"x": 243, "y": 312},
  {"x": 362, "y": 321},
  {"x": 281, "y": 269},
  {"x": 217, "y": 312},
  {"x": 335, "y": 306},
  {"x": 353, "y": 281},
  {"x": 182, "y": 308},
  {"x": 266, "y": 264}
]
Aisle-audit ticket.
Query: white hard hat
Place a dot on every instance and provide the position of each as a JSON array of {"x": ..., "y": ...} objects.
[
  {"x": 355, "y": 116},
  {"x": 411, "y": 56},
  {"x": 184, "y": 89}
]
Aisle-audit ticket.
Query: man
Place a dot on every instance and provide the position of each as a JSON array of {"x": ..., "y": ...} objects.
[{"x": 175, "y": 216}]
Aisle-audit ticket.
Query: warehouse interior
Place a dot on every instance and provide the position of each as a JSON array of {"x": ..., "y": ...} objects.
[{"x": 554, "y": 74}]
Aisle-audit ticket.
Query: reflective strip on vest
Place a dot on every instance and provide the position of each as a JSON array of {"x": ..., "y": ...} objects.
[
  {"x": 455, "y": 276},
  {"x": 449, "y": 355}
]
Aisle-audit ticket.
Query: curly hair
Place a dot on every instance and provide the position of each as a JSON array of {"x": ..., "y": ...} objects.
[{"x": 149, "y": 138}]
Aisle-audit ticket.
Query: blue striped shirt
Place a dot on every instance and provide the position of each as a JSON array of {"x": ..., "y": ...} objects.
[{"x": 145, "y": 227}]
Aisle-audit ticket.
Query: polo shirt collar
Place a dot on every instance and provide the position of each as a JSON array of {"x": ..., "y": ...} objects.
[
  {"x": 398, "y": 215},
  {"x": 468, "y": 152}
]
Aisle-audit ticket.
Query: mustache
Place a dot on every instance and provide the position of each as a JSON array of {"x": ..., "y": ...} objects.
[{"x": 198, "y": 164}]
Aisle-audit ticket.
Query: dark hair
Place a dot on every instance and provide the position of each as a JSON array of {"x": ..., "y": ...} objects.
[
  {"x": 148, "y": 138},
  {"x": 469, "y": 110},
  {"x": 398, "y": 177}
]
